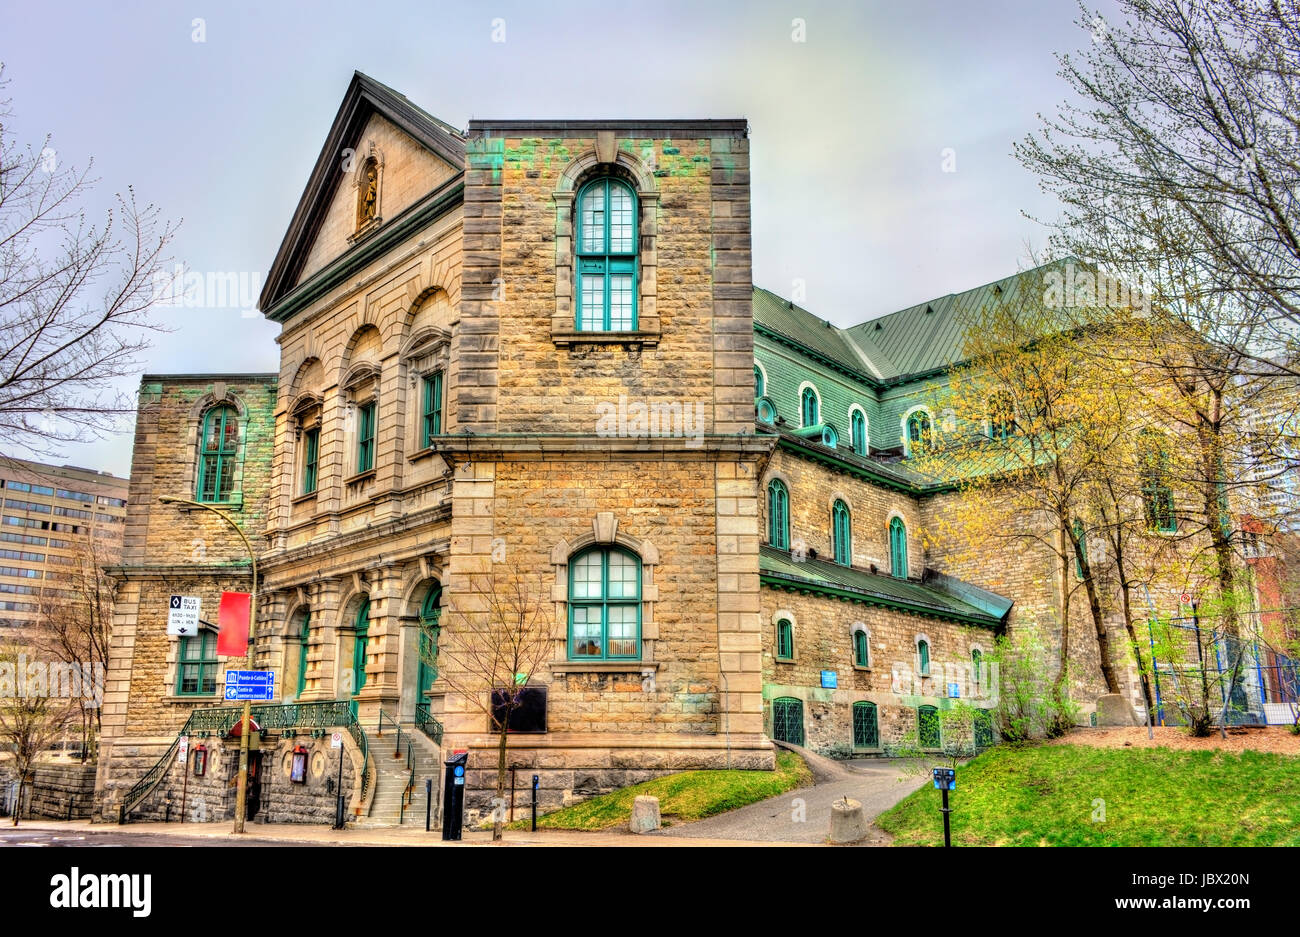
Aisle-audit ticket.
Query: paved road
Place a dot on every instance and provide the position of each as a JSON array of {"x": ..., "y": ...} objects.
[
  {"x": 804, "y": 815},
  {"x": 21, "y": 837}
]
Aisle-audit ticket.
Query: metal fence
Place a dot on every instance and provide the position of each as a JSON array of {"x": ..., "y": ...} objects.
[{"x": 1244, "y": 680}]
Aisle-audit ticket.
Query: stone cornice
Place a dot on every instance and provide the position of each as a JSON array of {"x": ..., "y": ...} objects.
[{"x": 584, "y": 446}]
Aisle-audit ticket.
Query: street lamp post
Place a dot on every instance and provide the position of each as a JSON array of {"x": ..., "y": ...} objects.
[{"x": 241, "y": 793}]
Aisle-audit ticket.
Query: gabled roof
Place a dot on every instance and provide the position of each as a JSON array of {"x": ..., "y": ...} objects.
[
  {"x": 364, "y": 98},
  {"x": 785, "y": 319}
]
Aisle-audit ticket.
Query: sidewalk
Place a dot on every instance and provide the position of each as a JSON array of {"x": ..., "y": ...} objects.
[{"x": 401, "y": 836}]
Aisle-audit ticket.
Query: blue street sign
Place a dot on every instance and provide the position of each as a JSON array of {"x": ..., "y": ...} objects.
[
  {"x": 830, "y": 679},
  {"x": 954, "y": 690},
  {"x": 250, "y": 684}
]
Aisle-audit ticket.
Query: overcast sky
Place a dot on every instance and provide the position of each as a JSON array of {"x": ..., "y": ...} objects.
[{"x": 850, "y": 128}]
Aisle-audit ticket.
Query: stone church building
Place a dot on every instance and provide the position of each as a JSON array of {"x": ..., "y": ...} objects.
[{"x": 536, "y": 345}]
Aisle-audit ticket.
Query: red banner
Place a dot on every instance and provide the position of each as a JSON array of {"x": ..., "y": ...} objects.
[{"x": 232, "y": 624}]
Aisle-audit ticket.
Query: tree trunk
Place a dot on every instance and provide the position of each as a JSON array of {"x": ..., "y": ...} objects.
[
  {"x": 1098, "y": 619},
  {"x": 498, "y": 809}
]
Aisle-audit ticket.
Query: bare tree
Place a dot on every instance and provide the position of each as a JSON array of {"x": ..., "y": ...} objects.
[
  {"x": 73, "y": 628},
  {"x": 74, "y": 297},
  {"x": 494, "y": 638},
  {"x": 32, "y": 717}
]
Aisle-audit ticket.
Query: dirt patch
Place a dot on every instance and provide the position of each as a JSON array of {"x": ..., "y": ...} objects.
[{"x": 1264, "y": 739}]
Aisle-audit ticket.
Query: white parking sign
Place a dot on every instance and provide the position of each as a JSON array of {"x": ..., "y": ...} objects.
[{"x": 183, "y": 615}]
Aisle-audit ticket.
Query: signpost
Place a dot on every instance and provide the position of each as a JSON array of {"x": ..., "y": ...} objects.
[
  {"x": 183, "y": 615},
  {"x": 336, "y": 741},
  {"x": 250, "y": 684},
  {"x": 945, "y": 779}
]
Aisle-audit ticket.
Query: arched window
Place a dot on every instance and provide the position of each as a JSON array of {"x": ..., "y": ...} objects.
[
  {"x": 605, "y": 605},
  {"x": 787, "y": 720},
  {"x": 778, "y": 514},
  {"x": 766, "y": 411},
  {"x": 808, "y": 407},
  {"x": 919, "y": 434},
  {"x": 304, "y": 640},
  {"x": 197, "y": 666},
  {"x": 1080, "y": 547},
  {"x": 976, "y": 658},
  {"x": 217, "y": 449},
  {"x": 760, "y": 384},
  {"x": 842, "y": 533},
  {"x": 898, "y": 548},
  {"x": 923, "y": 657},
  {"x": 866, "y": 725},
  {"x": 430, "y": 632},
  {"x": 927, "y": 726},
  {"x": 359, "y": 644},
  {"x": 784, "y": 639},
  {"x": 607, "y": 257},
  {"x": 858, "y": 432},
  {"x": 861, "y": 649},
  {"x": 1002, "y": 418},
  {"x": 1157, "y": 496}
]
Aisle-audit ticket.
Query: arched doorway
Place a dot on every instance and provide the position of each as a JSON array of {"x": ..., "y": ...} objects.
[
  {"x": 430, "y": 632},
  {"x": 787, "y": 720}
]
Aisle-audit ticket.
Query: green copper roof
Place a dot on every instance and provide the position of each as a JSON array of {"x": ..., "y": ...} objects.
[
  {"x": 943, "y": 597},
  {"x": 787, "y": 320}
]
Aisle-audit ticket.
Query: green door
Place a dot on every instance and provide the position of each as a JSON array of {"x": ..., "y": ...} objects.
[
  {"x": 787, "y": 720},
  {"x": 430, "y": 611}
]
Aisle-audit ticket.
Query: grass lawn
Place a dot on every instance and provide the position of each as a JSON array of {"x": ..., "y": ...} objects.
[
  {"x": 691, "y": 795},
  {"x": 1044, "y": 795}
]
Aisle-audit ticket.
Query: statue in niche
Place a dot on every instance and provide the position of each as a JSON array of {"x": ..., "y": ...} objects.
[{"x": 368, "y": 196}]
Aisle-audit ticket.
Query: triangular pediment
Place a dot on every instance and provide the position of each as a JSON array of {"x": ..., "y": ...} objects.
[{"x": 413, "y": 154}]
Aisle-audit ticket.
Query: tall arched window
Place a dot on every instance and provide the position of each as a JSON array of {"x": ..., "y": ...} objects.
[
  {"x": 778, "y": 514},
  {"x": 304, "y": 641},
  {"x": 923, "y": 657},
  {"x": 1081, "y": 548},
  {"x": 842, "y": 533},
  {"x": 866, "y": 725},
  {"x": 928, "y": 730},
  {"x": 607, "y": 257},
  {"x": 976, "y": 658},
  {"x": 217, "y": 449},
  {"x": 898, "y": 548},
  {"x": 861, "y": 649},
  {"x": 809, "y": 411},
  {"x": 919, "y": 434},
  {"x": 858, "y": 432},
  {"x": 605, "y": 604},
  {"x": 360, "y": 642},
  {"x": 784, "y": 639},
  {"x": 430, "y": 632},
  {"x": 760, "y": 385},
  {"x": 1157, "y": 496}
]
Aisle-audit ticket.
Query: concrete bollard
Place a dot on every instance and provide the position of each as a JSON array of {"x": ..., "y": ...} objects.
[
  {"x": 645, "y": 815},
  {"x": 848, "y": 824}
]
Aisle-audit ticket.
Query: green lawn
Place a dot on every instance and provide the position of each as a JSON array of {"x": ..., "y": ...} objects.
[
  {"x": 1044, "y": 795},
  {"x": 690, "y": 795}
]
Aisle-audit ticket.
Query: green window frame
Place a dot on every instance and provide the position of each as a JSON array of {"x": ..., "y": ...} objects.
[
  {"x": 197, "y": 665},
  {"x": 304, "y": 639},
  {"x": 809, "y": 410},
  {"x": 866, "y": 725},
  {"x": 919, "y": 431},
  {"x": 1080, "y": 538},
  {"x": 861, "y": 649},
  {"x": 778, "y": 514},
  {"x": 366, "y": 436},
  {"x": 430, "y": 634},
  {"x": 1157, "y": 496},
  {"x": 360, "y": 643},
  {"x": 929, "y": 733},
  {"x": 923, "y": 657},
  {"x": 785, "y": 639},
  {"x": 605, "y": 605},
  {"x": 217, "y": 448},
  {"x": 1002, "y": 421},
  {"x": 432, "y": 407},
  {"x": 976, "y": 658},
  {"x": 858, "y": 432},
  {"x": 898, "y": 548},
  {"x": 760, "y": 385},
  {"x": 766, "y": 411},
  {"x": 310, "y": 459},
  {"x": 787, "y": 720},
  {"x": 842, "y": 533},
  {"x": 607, "y": 264}
]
